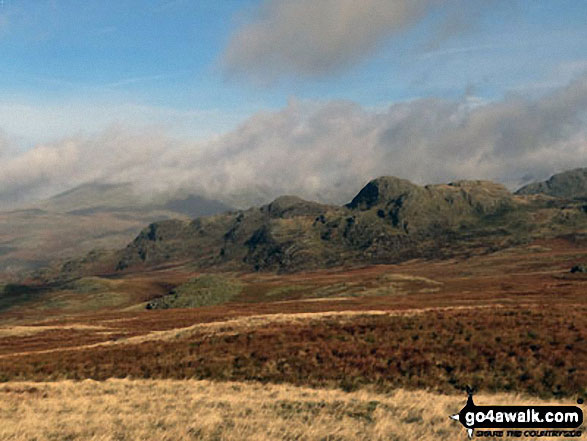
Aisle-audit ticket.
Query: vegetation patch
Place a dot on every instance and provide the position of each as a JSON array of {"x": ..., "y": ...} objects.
[
  {"x": 13, "y": 295},
  {"x": 205, "y": 290},
  {"x": 287, "y": 291},
  {"x": 87, "y": 285},
  {"x": 537, "y": 351}
]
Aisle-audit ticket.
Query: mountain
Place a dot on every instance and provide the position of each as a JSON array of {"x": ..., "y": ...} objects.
[
  {"x": 195, "y": 206},
  {"x": 102, "y": 197},
  {"x": 389, "y": 220},
  {"x": 93, "y": 196},
  {"x": 87, "y": 217},
  {"x": 571, "y": 184}
]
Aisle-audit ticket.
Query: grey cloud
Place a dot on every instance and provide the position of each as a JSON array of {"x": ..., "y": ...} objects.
[
  {"x": 315, "y": 38},
  {"x": 325, "y": 151}
]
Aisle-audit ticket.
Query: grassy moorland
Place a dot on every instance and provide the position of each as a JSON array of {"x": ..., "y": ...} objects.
[
  {"x": 338, "y": 354},
  {"x": 203, "y": 410},
  {"x": 536, "y": 351}
]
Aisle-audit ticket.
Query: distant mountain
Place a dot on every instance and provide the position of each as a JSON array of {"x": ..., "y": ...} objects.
[
  {"x": 388, "y": 221},
  {"x": 93, "y": 196},
  {"x": 195, "y": 206},
  {"x": 87, "y": 217},
  {"x": 101, "y": 197},
  {"x": 571, "y": 184}
]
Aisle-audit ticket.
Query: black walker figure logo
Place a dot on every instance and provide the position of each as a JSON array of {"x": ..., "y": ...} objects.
[{"x": 519, "y": 417}]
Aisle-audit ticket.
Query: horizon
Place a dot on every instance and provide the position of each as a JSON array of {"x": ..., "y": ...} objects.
[
  {"x": 186, "y": 193},
  {"x": 253, "y": 99}
]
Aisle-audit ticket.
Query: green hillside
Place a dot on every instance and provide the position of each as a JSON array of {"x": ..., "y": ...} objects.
[
  {"x": 390, "y": 220},
  {"x": 571, "y": 184}
]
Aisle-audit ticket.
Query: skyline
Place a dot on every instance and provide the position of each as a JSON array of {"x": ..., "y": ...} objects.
[{"x": 227, "y": 92}]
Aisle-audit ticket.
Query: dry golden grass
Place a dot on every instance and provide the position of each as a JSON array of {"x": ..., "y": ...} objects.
[
  {"x": 244, "y": 324},
  {"x": 203, "y": 410},
  {"x": 22, "y": 331}
]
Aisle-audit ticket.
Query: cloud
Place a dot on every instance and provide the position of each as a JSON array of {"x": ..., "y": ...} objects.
[
  {"x": 324, "y": 150},
  {"x": 316, "y": 38},
  {"x": 4, "y": 145},
  {"x": 50, "y": 168},
  {"x": 41, "y": 122}
]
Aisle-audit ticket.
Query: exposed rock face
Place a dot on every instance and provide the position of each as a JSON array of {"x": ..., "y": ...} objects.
[
  {"x": 389, "y": 220},
  {"x": 571, "y": 184},
  {"x": 287, "y": 207},
  {"x": 412, "y": 208},
  {"x": 579, "y": 269},
  {"x": 382, "y": 191}
]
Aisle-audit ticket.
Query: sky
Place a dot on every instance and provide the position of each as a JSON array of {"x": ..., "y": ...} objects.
[{"x": 243, "y": 100}]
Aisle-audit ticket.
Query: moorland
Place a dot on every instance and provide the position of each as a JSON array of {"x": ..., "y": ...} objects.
[{"x": 290, "y": 321}]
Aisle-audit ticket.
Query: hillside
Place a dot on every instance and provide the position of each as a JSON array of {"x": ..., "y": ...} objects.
[
  {"x": 511, "y": 321},
  {"x": 390, "y": 220},
  {"x": 85, "y": 218},
  {"x": 570, "y": 184}
]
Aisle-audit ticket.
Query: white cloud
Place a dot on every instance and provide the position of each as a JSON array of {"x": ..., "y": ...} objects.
[{"x": 325, "y": 150}]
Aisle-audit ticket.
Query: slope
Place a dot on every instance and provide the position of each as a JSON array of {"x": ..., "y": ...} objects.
[{"x": 390, "y": 220}]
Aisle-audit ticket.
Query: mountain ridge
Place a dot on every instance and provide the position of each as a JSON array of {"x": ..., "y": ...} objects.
[
  {"x": 570, "y": 184},
  {"x": 389, "y": 220}
]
